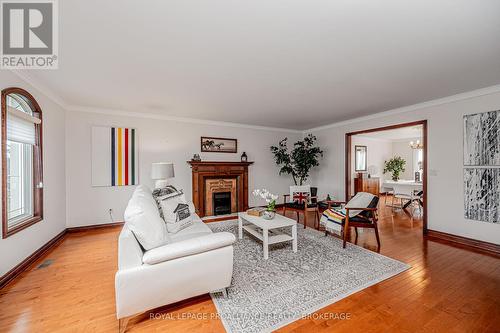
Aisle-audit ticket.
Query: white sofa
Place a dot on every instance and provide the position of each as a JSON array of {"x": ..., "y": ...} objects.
[{"x": 195, "y": 261}]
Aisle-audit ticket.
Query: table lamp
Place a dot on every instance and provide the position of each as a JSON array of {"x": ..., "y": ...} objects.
[{"x": 161, "y": 172}]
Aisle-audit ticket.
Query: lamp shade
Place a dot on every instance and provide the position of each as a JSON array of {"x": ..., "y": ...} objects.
[{"x": 162, "y": 170}]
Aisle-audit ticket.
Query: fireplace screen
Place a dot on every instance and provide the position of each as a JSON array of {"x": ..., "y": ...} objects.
[{"x": 221, "y": 203}]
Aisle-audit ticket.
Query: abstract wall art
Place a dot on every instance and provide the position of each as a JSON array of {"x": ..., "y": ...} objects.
[
  {"x": 482, "y": 139},
  {"x": 482, "y": 194},
  {"x": 114, "y": 156},
  {"x": 482, "y": 166}
]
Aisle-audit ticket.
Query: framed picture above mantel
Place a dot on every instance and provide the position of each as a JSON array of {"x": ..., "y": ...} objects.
[{"x": 218, "y": 145}]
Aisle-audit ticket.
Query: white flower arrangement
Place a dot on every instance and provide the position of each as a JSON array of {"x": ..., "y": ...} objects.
[{"x": 268, "y": 197}]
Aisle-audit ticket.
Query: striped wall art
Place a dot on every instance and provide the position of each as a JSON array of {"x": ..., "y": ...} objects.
[{"x": 114, "y": 156}]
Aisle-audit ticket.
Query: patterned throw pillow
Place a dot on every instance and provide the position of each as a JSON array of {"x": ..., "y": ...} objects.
[
  {"x": 159, "y": 192},
  {"x": 165, "y": 192},
  {"x": 177, "y": 213},
  {"x": 300, "y": 197}
]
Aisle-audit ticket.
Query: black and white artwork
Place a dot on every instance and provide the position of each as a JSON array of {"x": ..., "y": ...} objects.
[
  {"x": 218, "y": 145},
  {"x": 482, "y": 194},
  {"x": 482, "y": 138}
]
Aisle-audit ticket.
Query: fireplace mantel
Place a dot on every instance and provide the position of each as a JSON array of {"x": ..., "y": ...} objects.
[{"x": 203, "y": 170}]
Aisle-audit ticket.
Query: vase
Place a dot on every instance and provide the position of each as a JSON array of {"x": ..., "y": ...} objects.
[{"x": 268, "y": 214}]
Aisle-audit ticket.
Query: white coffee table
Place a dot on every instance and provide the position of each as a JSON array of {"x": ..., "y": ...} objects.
[{"x": 265, "y": 230}]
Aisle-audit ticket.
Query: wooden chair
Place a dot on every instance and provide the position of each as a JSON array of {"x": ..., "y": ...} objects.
[
  {"x": 367, "y": 218},
  {"x": 311, "y": 206}
]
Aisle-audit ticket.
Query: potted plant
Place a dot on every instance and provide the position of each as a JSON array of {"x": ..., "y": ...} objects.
[
  {"x": 270, "y": 199},
  {"x": 299, "y": 162},
  {"x": 395, "y": 165}
]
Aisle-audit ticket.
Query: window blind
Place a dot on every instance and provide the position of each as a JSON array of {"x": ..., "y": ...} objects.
[{"x": 21, "y": 126}]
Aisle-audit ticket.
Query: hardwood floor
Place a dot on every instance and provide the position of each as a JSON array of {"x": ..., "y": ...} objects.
[{"x": 447, "y": 289}]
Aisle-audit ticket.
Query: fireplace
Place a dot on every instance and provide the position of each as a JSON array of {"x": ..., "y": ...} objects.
[
  {"x": 221, "y": 203},
  {"x": 216, "y": 181},
  {"x": 225, "y": 192}
]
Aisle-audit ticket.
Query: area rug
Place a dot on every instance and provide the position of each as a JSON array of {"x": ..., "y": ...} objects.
[{"x": 268, "y": 294}]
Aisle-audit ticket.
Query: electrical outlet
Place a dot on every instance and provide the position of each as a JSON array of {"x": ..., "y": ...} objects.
[{"x": 110, "y": 212}]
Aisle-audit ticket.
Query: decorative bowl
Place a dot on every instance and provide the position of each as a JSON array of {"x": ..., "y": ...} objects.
[{"x": 268, "y": 214}]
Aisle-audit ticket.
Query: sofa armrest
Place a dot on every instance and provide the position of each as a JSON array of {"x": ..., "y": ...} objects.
[{"x": 188, "y": 247}]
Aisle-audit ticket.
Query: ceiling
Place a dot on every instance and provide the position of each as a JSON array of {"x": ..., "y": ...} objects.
[
  {"x": 281, "y": 63},
  {"x": 398, "y": 134}
]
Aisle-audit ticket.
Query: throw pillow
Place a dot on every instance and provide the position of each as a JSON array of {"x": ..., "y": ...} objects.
[
  {"x": 299, "y": 194},
  {"x": 144, "y": 221},
  {"x": 159, "y": 192},
  {"x": 162, "y": 193},
  {"x": 177, "y": 213},
  {"x": 300, "y": 197}
]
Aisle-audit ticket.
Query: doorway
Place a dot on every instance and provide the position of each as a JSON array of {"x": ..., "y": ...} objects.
[{"x": 357, "y": 161}]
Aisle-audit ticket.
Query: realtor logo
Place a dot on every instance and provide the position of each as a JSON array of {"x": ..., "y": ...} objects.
[{"x": 29, "y": 34}]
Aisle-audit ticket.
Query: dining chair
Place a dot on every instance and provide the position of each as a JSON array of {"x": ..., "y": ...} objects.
[
  {"x": 404, "y": 192},
  {"x": 388, "y": 190}
]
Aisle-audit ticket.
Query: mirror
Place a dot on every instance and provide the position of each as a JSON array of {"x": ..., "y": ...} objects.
[{"x": 360, "y": 158}]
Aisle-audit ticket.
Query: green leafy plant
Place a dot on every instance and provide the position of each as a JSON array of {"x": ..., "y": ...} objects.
[
  {"x": 395, "y": 165},
  {"x": 298, "y": 162}
]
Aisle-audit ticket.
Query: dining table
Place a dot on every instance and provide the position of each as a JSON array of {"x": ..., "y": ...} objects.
[{"x": 410, "y": 184}]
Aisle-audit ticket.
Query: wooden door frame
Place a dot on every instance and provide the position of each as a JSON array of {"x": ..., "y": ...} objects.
[{"x": 348, "y": 174}]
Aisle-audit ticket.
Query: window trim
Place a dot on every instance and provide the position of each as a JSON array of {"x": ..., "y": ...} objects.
[{"x": 37, "y": 164}]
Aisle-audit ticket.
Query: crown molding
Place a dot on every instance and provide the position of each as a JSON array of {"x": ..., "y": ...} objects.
[
  {"x": 435, "y": 102},
  {"x": 410, "y": 139},
  {"x": 145, "y": 115},
  {"x": 23, "y": 75}
]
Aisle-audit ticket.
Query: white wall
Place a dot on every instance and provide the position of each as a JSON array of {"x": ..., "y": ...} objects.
[
  {"x": 378, "y": 151},
  {"x": 159, "y": 140},
  {"x": 17, "y": 247},
  {"x": 445, "y": 162}
]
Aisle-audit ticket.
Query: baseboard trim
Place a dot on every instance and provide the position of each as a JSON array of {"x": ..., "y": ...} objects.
[
  {"x": 94, "y": 226},
  {"x": 26, "y": 263},
  {"x": 465, "y": 242}
]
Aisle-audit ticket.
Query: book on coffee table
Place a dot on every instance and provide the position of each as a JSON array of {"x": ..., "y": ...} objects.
[{"x": 257, "y": 211}]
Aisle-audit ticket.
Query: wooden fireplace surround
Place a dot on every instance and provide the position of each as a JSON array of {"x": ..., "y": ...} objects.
[{"x": 203, "y": 170}]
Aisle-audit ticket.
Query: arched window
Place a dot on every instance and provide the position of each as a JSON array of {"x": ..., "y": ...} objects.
[{"x": 22, "y": 185}]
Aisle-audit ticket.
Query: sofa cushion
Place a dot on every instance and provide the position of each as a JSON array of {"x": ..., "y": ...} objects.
[
  {"x": 198, "y": 228},
  {"x": 189, "y": 247},
  {"x": 129, "y": 250},
  {"x": 177, "y": 213},
  {"x": 142, "y": 218}
]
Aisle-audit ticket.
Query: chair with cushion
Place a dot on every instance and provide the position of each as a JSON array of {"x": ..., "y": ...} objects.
[
  {"x": 302, "y": 199},
  {"x": 359, "y": 212}
]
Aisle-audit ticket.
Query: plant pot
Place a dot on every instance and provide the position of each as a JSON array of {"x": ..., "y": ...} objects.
[{"x": 268, "y": 214}]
